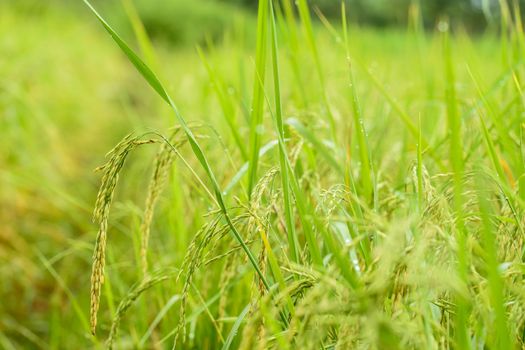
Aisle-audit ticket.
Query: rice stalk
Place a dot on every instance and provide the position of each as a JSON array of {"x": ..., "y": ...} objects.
[
  {"x": 147, "y": 283},
  {"x": 195, "y": 258},
  {"x": 111, "y": 170},
  {"x": 163, "y": 162}
]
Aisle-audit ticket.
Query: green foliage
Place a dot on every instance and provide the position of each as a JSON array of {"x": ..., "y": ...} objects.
[{"x": 326, "y": 186}]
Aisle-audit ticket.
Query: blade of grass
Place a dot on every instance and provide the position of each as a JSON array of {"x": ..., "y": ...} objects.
[
  {"x": 208, "y": 312},
  {"x": 420, "y": 194},
  {"x": 521, "y": 181},
  {"x": 504, "y": 182},
  {"x": 504, "y": 139},
  {"x": 405, "y": 118},
  {"x": 290, "y": 27},
  {"x": 305, "y": 211},
  {"x": 504, "y": 28},
  {"x": 140, "y": 33},
  {"x": 76, "y": 307},
  {"x": 495, "y": 281},
  {"x": 367, "y": 174},
  {"x": 257, "y": 108},
  {"x": 521, "y": 153},
  {"x": 244, "y": 168},
  {"x": 276, "y": 270},
  {"x": 304, "y": 15},
  {"x": 227, "y": 107},
  {"x": 518, "y": 30},
  {"x": 364, "y": 245},
  {"x": 293, "y": 243},
  {"x": 201, "y": 308},
  {"x": 235, "y": 328},
  {"x": 6, "y": 343},
  {"x": 158, "y": 318},
  {"x": 491, "y": 150},
  {"x": 462, "y": 336}
]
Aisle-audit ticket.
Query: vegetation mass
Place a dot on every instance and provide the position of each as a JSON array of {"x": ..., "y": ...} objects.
[{"x": 289, "y": 180}]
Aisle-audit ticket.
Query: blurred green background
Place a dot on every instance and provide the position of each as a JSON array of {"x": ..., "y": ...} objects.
[{"x": 183, "y": 22}]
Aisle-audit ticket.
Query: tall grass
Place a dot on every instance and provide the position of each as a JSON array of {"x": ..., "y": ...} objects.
[
  {"x": 366, "y": 192},
  {"x": 400, "y": 289}
]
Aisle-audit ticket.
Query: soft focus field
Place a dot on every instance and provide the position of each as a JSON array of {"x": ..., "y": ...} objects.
[{"x": 382, "y": 205}]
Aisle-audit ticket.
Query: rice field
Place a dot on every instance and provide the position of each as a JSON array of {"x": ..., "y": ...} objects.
[{"x": 301, "y": 182}]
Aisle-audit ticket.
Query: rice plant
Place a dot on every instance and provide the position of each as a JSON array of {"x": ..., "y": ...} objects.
[
  {"x": 346, "y": 260},
  {"x": 323, "y": 187}
]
